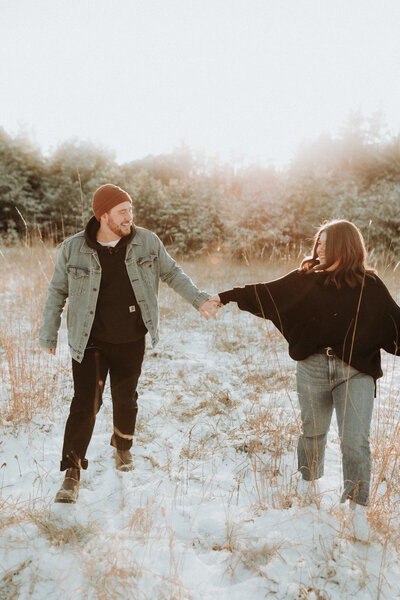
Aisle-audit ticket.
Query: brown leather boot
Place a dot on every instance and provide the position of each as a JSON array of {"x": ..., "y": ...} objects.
[
  {"x": 68, "y": 492},
  {"x": 123, "y": 460}
]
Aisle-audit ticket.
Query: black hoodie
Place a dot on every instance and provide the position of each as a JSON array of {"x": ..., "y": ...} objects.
[{"x": 118, "y": 318}]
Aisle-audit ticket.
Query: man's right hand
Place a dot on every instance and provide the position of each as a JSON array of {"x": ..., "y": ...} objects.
[{"x": 49, "y": 350}]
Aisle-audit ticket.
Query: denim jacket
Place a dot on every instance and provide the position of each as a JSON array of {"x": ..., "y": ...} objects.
[{"x": 77, "y": 276}]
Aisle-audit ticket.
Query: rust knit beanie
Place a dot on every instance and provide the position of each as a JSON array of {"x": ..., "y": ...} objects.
[{"x": 106, "y": 197}]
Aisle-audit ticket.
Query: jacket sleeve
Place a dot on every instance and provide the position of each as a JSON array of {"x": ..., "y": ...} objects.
[
  {"x": 172, "y": 274},
  {"x": 56, "y": 297}
]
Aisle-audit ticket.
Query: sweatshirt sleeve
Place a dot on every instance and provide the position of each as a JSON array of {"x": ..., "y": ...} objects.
[
  {"x": 390, "y": 329},
  {"x": 266, "y": 300},
  {"x": 254, "y": 298}
]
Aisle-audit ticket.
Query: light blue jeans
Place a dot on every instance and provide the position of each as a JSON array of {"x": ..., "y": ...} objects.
[{"x": 324, "y": 383}]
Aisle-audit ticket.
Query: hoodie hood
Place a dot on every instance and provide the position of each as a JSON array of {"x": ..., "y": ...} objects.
[{"x": 91, "y": 230}]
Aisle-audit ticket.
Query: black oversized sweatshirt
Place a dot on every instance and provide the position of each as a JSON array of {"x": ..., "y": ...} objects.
[{"x": 355, "y": 322}]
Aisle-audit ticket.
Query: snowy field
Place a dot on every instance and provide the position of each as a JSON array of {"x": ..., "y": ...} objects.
[{"x": 212, "y": 509}]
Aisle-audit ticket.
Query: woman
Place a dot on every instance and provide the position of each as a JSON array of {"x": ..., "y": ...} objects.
[{"x": 336, "y": 315}]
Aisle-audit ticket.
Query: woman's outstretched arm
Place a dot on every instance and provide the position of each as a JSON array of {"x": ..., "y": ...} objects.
[
  {"x": 254, "y": 298},
  {"x": 266, "y": 300}
]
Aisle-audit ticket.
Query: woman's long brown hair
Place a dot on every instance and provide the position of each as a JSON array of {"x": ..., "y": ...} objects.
[{"x": 345, "y": 246}]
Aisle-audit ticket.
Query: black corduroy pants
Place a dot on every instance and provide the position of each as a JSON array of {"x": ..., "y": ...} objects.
[{"x": 123, "y": 362}]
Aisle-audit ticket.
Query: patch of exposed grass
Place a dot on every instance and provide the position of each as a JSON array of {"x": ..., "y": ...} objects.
[
  {"x": 59, "y": 534},
  {"x": 11, "y": 583}
]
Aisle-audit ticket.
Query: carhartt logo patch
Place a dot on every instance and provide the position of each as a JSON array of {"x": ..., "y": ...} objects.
[{"x": 132, "y": 309}]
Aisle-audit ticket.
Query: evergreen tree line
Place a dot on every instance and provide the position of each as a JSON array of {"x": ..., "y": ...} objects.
[{"x": 196, "y": 203}]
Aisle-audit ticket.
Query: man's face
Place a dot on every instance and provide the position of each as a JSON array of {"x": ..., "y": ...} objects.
[{"x": 119, "y": 219}]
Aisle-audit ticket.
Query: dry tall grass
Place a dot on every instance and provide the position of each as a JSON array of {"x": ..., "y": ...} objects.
[{"x": 30, "y": 382}]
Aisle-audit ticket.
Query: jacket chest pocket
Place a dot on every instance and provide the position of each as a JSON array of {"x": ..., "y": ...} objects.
[
  {"x": 147, "y": 262},
  {"x": 78, "y": 280},
  {"x": 148, "y": 266}
]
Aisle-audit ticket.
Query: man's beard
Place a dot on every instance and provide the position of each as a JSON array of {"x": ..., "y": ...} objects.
[{"x": 118, "y": 229}]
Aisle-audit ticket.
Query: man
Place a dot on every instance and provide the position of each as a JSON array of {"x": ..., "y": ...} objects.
[{"x": 110, "y": 274}]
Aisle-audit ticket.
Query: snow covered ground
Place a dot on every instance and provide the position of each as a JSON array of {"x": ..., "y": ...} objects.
[{"x": 212, "y": 509}]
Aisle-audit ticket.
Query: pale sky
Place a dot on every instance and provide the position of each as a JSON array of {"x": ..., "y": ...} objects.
[{"x": 251, "y": 77}]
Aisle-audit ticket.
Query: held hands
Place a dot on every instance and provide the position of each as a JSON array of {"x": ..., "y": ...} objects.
[{"x": 210, "y": 307}]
